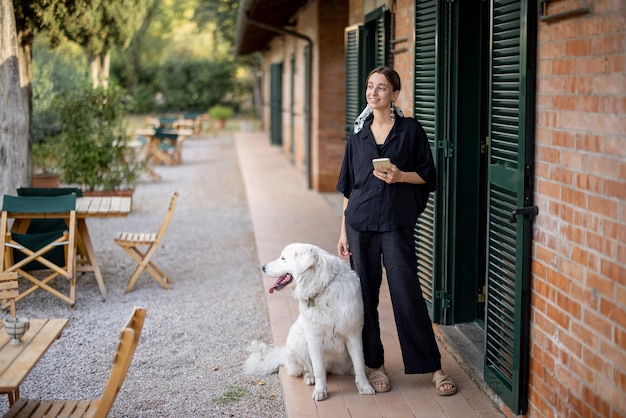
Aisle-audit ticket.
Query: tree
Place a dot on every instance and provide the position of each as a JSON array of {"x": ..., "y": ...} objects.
[
  {"x": 14, "y": 109},
  {"x": 96, "y": 25}
]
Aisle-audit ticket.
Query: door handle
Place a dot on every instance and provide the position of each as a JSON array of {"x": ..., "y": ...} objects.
[{"x": 525, "y": 210}]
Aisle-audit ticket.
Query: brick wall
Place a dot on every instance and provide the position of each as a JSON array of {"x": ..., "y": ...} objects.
[
  {"x": 578, "y": 332},
  {"x": 328, "y": 141}
]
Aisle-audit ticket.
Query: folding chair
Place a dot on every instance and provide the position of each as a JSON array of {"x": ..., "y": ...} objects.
[
  {"x": 9, "y": 290},
  {"x": 97, "y": 408},
  {"x": 53, "y": 252},
  {"x": 132, "y": 241}
]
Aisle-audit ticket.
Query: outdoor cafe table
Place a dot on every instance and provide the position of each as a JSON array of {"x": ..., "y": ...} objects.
[
  {"x": 17, "y": 360},
  {"x": 90, "y": 207}
]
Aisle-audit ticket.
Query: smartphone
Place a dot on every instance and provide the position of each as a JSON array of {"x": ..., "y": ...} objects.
[{"x": 381, "y": 162}]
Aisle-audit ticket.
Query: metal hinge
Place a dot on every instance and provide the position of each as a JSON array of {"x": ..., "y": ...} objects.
[
  {"x": 481, "y": 296},
  {"x": 444, "y": 297},
  {"x": 447, "y": 147}
]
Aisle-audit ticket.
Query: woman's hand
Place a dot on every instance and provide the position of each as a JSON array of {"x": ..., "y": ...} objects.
[
  {"x": 388, "y": 175},
  {"x": 342, "y": 246}
]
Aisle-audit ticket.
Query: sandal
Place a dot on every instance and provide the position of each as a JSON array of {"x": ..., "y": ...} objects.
[
  {"x": 441, "y": 380},
  {"x": 379, "y": 376}
]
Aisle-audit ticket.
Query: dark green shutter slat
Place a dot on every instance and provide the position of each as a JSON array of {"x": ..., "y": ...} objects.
[
  {"x": 425, "y": 111},
  {"x": 353, "y": 92}
]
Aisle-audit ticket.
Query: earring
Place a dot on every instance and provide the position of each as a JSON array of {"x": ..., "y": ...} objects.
[{"x": 393, "y": 114}]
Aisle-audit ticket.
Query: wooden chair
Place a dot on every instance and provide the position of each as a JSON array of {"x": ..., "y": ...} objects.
[
  {"x": 52, "y": 251},
  {"x": 132, "y": 243},
  {"x": 9, "y": 290},
  {"x": 98, "y": 408}
]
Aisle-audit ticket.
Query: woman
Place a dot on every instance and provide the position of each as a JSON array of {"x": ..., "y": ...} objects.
[{"x": 380, "y": 209}]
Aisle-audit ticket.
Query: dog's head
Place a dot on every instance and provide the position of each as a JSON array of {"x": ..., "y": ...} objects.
[{"x": 295, "y": 259}]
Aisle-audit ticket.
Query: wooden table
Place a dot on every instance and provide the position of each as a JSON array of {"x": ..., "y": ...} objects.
[
  {"x": 16, "y": 361},
  {"x": 96, "y": 207},
  {"x": 88, "y": 207}
]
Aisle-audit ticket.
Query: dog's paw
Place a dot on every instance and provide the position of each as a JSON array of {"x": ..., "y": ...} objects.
[
  {"x": 365, "y": 389},
  {"x": 308, "y": 378},
  {"x": 320, "y": 395}
]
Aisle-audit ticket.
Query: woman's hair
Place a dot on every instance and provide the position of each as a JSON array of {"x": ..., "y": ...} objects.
[{"x": 390, "y": 74}]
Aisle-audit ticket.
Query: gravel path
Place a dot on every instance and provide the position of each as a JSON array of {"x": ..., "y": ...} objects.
[{"x": 188, "y": 361}]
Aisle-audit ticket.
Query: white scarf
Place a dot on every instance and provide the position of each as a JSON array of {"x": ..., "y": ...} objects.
[{"x": 360, "y": 120}]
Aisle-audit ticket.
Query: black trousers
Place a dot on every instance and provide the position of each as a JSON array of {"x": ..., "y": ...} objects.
[{"x": 395, "y": 250}]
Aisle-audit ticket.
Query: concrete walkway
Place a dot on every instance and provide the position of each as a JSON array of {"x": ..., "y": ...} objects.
[{"x": 284, "y": 210}]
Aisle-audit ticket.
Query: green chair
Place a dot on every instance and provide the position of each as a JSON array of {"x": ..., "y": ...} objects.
[
  {"x": 40, "y": 256},
  {"x": 43, "y": 225}
]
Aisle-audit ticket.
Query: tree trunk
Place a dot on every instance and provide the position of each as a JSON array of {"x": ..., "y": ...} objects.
[
  {"x": 99, "y": 65},
  {"x": 14, "y": 107}
]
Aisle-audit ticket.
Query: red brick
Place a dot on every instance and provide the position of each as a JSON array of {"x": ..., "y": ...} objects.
[
  {"x": 607, "y": 84},
  {"x": 545, "y": 255},
  {"x": 596, "y": 361},
  {"x": 563, "y": 139},
  {"x": 601, "y": 285},
  {"x": 613, "y": 312},
  {"x": 582, "y": 256},
  {"x": 595, "y": 325},
  {"x": 584, "y": 296},
  {"x": 589, "y": 183},
  {"x": 604, "y": 123},
  {"x": 577, "y": 47},
  {"x": 564, "y": 66},
  {"x": 548, "y": 189},
  {"x": 616, "y": 189},
  {"x": 614, "y": 354},
  {"x": 600, "y": 407},
  {"x": 580, "y": 85},
  {"x": 607, "y": 44},
  {"x": 558, "y": 316},
  {"x": 587, "y": 220},
  {"x": 601, "y": 244},
  {"x": 582, "y": 370},
  {"x": 574, "y": 159},
  {"x": 616, "y": 63},
  {"x": 619, "y": 379},
  {"x": 562, "y": 175},
  {"x": 568, "y": 305},
  {"x": 588, "y": 103},
  {"x": 591, "y": 65},
  {"x": 574, "y": 197},
  {"x": 582, "y": 408},
  {"x": 603, "y": 206},
  {"x": 613, "y": 271},
  {"x": 614, "y": 105},
  {"x": 575, "y": 120}
]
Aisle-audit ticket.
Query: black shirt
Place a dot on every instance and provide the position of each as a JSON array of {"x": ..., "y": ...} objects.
[{"x": 373, "y": 204}]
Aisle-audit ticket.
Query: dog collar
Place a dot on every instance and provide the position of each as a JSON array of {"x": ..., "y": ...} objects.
[{"x": 311, "y": 302}]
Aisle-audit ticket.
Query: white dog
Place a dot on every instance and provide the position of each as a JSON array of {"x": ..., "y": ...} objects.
[{"x": 326, "y": 337}]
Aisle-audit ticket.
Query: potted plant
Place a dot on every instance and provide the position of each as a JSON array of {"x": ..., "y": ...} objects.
[
  {"x": 222, "y": 114},
  {"x": 93, "y": 146}
]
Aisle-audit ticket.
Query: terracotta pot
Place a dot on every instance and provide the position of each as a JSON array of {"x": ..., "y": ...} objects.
[{"x": 46, "y": 180}]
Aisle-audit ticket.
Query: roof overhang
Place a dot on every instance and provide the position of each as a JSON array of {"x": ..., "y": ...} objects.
[{"x": 251, "y": 36}]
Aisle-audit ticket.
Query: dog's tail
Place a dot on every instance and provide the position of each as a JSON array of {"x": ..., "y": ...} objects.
[{"x": 264, "y": 360}]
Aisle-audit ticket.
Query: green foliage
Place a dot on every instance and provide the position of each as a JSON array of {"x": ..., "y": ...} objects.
[
  {"x": 195, "y": 85},
  {"x": 93, "y": 145},
  {"x": 221, "y": 112},
  {"x": 54, "y": 74},
  {"x": 85, "y": 22}
]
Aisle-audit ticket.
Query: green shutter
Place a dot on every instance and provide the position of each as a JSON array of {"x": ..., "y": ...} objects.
[
  {"x": 354, "y": 86},
  {"x": 510, "y": 174},
  {"x": 425, "y": 111},
  {"x": 276, "y": 103}
]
